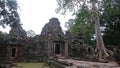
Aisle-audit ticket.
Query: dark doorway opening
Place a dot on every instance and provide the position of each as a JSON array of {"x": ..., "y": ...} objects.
[
  {"x": 57, "y": 49},
  {"x": 13, "y": 52}
]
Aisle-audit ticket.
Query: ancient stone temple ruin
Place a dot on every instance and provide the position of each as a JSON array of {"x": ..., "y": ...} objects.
[
  {"x": 55, "y": 39},
  {"x": 13, "y": 47},
  {"x": 52, "y": 42},
  {"x": 16, "y": 43}
]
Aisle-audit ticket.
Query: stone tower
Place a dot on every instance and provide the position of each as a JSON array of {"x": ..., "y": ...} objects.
[
  {"x": 16, "y": 42},
  {"x": 54, "y": 37},
  {"x": 18, "y": 32}
]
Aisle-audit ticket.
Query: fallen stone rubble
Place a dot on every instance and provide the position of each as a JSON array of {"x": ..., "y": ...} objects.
[{"x": 86, "y": 64}]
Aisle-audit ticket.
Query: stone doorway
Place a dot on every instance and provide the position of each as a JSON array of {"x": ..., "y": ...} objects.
[
  {"x": 57, "y": 49},
  {"x": 13, "y": 52}
]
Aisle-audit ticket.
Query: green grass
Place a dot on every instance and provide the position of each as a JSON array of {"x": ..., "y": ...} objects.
[{"x": 32, "y": 65}]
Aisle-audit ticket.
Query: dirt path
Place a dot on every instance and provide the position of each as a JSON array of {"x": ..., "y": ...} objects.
[{"x": 86, "y": 64}]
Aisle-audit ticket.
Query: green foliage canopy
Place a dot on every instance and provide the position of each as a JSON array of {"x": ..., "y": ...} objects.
[
  {"x": 8, "y": 13},
  {"x": 109, "y": 14},
  {"x": 111, "y": 20},
  {"x": 83, "y": 24}
]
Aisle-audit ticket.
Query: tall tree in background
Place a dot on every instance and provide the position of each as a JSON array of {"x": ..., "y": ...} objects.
[
  {"x": 8, "y": 13},
  {"x": 102, "y": 53},
  {"x": 73, "y": 5},
  {"x": 110, "y": 19},
  {"x": 82, "y": 24}
]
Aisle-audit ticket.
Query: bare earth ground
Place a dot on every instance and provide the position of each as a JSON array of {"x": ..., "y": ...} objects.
[
  {"x": 86, "y": 64},
  {"x": 32, "y": 65}
]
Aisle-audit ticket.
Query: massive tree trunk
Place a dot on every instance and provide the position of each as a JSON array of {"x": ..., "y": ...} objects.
[{"x": 100, "y": 48}]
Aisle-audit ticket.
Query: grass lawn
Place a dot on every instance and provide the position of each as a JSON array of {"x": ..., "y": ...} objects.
[{"x": 32, "y": 65}]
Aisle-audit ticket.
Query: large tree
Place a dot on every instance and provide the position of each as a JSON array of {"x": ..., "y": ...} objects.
[
  {"x": 8, "y": 13},
  {"x": 102, "y": 53},
  {"x": 82, "y": 24},
  {"x": 73, "y": 5}
]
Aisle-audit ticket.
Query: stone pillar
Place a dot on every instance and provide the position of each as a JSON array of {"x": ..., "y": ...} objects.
[
  {"x": 8, "y": 52},
  {"x": 52, "y": 48},
  {"x": 49, "y": 48},
  {"x": 49, "y": 40},
  {"x": 66, "y": 48}
]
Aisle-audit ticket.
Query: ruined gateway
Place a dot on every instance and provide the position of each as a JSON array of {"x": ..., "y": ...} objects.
[{"x": 55, "y": 39}]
